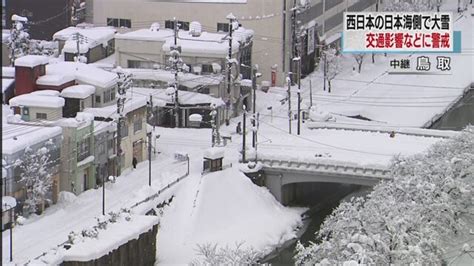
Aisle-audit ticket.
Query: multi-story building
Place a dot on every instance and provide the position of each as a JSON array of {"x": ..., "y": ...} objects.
[
  {"x": 15, "y": 139},
  {"x": 273, "y": 22},
  {"x": 133, "y": 130},
  {"x": 77, "y": 154}
]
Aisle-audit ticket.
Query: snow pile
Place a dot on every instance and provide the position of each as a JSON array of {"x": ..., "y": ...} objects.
[
  {"x": 404, "y": 221},
  {"x": 110, "y": 232},
  {"x": 214, "y": 153},
  {"x": 318, "y": 115},
  {"x": 224, "y": 208},
  {"x": 66, "y": 197}
]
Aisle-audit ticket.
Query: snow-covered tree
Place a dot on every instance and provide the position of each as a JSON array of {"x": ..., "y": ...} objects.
[
  {"x": 359, "y": 58},
  {"x": 19, "y": 39},
  {"x": 36, "y": 175},
  {"x": 333, "y": 65},
  {"x": 211, "y": 254},
  {"x": 403, "y": 221},
  {"x": 41, "y": 47}
]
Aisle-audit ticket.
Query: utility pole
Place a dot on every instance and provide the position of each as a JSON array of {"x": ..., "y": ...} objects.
[
  {"x": 299, "y": 95},
  {"x": 176, "y": 52},
  {"x": 244, "y": 133},
  {"x": 231, "y": 19},
  {"x": 123, "y": 85},
  {"x": 324, "y": 70},
  {"x": 254, "y": 89},
  {"x": 288, "y": 80},
  {"x": 150, "y": 113},
  {"x": 213, "y": 126},
  {"x": 310, "y": 94}
]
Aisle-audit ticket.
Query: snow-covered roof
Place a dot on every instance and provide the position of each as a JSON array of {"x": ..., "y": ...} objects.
[
  {"x": 195, "y": 118},
  {"x": 185, "y": 97},
  {"x": 203, "y": 43},
  {"x": 186, "y": 79},
  {"x": 146, "y": 35},
  {"x": 6, "y": 83},
  {"x": 31, "y": 61},
  {"x": 92, "y": 37},
  {"x": 81, "y": 120},
  {"x": 54, "y": 80},
  {"x": 18, "y": 137},
  {"x": 37, "y": 101},
  {"x": 214, "y": 153},
  {"x": 8, "y": 72},
  {"x": 78, "y": 91},
  {"x": 131, "y": 104},
  {"x": 46, "y": 93},
  {"x": 83, "y": 73}
]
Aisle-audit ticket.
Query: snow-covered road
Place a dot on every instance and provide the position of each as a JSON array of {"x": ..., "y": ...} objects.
[{"x": 44, "y": 232}]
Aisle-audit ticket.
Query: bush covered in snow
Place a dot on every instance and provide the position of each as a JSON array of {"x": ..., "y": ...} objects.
[
  {"x": 211, "y": 254},
  {"x": 402, "y": 221}
]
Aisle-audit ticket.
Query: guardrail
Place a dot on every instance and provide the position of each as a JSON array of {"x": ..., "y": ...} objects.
[{"x": 333, "y": 168}]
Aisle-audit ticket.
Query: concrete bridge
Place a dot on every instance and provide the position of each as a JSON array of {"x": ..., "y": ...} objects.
[{"x": 280, "y": 175}]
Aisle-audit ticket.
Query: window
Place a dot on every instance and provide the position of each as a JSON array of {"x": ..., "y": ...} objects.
[
  {"x": 137, "y": 125},
  {"x": 83, "y": 149},
  {"x": 182, "y": 25},
  {"x": 207, "y": 68},
  {"x": 82, "y": 105},
  {"x": 97, "y": 99},
  {"x": 124, "y": 130},
  {"x": 204, "y": 90},
  {"x": 114, "y": 22},
  {"x": 112, "y": 94},
  {"x": 106, "y": 96},
  {"x": 222, "y": 27},
  {"x": 41, "y": 116},
  {"x": 140, "y": 64},
  {"x": 26, "y": 111},
  {"x": 126, "y": 23},
  {"x": 119, "y": 22}
]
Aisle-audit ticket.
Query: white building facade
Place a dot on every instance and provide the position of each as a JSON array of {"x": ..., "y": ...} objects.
[{"x": 271, "y": 20}]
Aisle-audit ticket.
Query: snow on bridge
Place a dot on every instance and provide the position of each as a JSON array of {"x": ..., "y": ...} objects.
[{"x": 337, "y": 155}]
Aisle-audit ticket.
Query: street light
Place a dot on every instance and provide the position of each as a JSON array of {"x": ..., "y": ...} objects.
[{"x": 8, "y": 203}]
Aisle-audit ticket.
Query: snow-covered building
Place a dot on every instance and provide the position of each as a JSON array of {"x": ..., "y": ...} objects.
[
  {"x": 213, "y": 85},
  {"x": 77, "y": 98},
  {"x": 34, "y": 73},
  {"x": 95, "y": 43},
  {"x": 77, "y": 153},
  {"x": 133, "y": 131},
  {"x": 203, "y": 52},
  {"x": 189, "y": 103},
  {"x": 105, "y": 150},
  {"x": 15, "y": 139},
  {"x": 34, "y": 107},
  {"x": 271, "y": 20}
]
